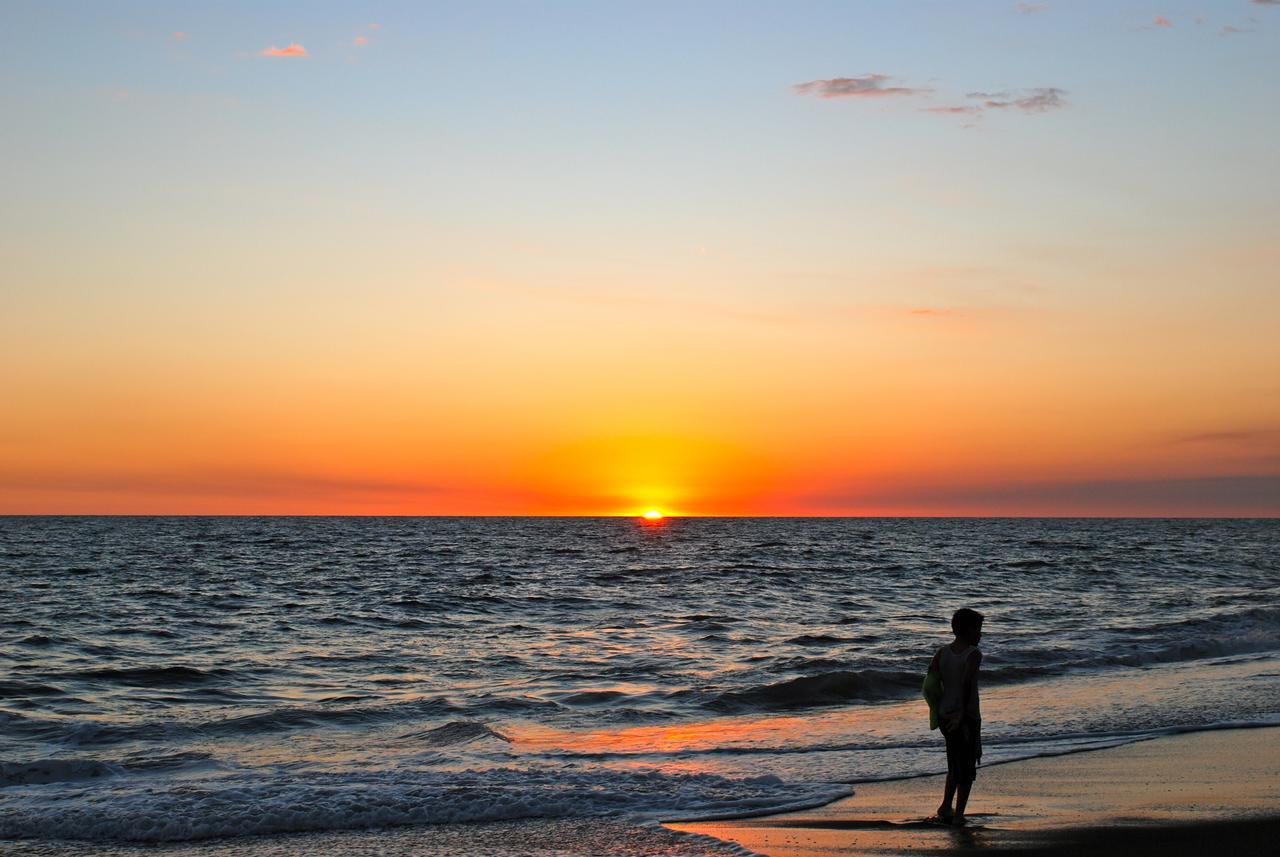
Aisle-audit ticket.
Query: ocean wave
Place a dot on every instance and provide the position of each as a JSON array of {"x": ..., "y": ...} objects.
[
  {"x": 818, "y": 640},
  {"x": 55, "y": 771},
  {"x": 593, "y": 697},
  {"x": 241, "y": 805},
  {"x": 73, "y": 732},
  {"x": 822, "y": 689},
  {"x": 1250, "y": 631},
  {"x": 456, "y": 732},
  {"x": 147, "y": 676},
  {"x": 43, "y": 771},
  {"x": 26, "y": 688}
]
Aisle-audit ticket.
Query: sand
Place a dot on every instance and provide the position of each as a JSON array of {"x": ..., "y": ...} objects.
[{"x": 1203, "y": 793}]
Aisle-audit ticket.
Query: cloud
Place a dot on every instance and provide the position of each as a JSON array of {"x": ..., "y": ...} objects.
[
  {"x": 1176, "y": 496},
  {"x": 1230, "y": 30},
  {"x": 868, "y": 86},
  {"x": 1161, "y": 21},
  {"x": 1239, "y": 436},
  {"x": 361, "y": 41},
  {"x": 1267, "y": 2},
  {"x": 292, "y": 50},
  {"x": 1039, "y": 100},
  {"x": 179, "y": 36},
  {"x": 1031, "y": 8}
]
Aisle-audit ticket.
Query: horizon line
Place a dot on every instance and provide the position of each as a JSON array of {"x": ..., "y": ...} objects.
[{"x": 1265, "y": 517}]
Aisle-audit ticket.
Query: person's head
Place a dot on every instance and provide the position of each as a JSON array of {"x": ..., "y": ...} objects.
[{"x": 967, "y": 625}]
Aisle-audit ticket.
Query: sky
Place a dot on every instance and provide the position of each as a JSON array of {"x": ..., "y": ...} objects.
[{"x": 589, "y": 258}]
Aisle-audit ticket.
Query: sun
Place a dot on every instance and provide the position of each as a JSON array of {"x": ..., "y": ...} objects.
[{"x": 653, "y": 515}]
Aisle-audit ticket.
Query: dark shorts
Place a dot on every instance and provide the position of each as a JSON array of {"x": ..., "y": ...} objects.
[{"x": 964, "y": 748}]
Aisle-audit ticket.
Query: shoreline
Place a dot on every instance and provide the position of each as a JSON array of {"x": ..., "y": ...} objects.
[
  {"x": 1184, "y": 794},
  {"x": 1191, "y": 793}
]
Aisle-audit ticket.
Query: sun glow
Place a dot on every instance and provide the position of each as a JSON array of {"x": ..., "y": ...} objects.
[{"x": 653, "y": 515}]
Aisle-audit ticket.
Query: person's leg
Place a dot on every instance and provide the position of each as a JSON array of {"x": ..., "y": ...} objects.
[
  {"x": 967, "y": 770},
  {"x": 962, "y": 798},
  {"x": 948, "y": 792}
]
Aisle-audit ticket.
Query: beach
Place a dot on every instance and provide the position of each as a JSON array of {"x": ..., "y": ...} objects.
[
  {"x": 1203, "y": 793},
  {"x": 1195, "y": 794}
]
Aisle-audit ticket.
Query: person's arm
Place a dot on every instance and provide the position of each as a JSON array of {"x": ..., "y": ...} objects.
[
  {"x": 969, "y": 683},
  {"x": 933, "y": 664}
]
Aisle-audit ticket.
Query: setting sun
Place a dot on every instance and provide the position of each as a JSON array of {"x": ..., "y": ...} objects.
[{"x": 653, "y": 515}]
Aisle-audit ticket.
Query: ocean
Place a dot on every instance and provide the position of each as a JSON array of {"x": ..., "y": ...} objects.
[{"x": 514, "y": 680}]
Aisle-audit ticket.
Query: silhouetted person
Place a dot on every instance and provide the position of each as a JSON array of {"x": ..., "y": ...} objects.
[{"x": 959, "y": 716}]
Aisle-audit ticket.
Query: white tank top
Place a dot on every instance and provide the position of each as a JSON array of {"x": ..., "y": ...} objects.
[{"x": 951, "y": 667}]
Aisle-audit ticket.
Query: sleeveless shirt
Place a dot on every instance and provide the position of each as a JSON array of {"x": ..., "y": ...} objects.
[{"x": 951, "y": 666}]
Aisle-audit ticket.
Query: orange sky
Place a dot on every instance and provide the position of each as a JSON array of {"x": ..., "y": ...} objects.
[{"x": 368, "y": 277}]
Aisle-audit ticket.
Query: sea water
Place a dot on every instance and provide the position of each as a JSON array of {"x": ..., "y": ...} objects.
[{"x": 176, "y": 679}]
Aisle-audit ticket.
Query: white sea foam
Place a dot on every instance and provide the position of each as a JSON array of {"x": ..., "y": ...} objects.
[{"x": 246, "y": 805}]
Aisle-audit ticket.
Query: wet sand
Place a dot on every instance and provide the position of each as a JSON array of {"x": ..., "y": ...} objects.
[{"x": 1198, "y": 794}]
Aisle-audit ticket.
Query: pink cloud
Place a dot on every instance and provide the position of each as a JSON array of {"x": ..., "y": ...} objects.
[
  {"x": 179, "y": 36},
  {"x": 375, "y": 26},
  {"x": 1030, "y": 8},
  {"x": 361, "y": 41},
  {"x": 964, "y": 110},
  {"x": 291, "y": 50},
  {"x": 1161, "y": 21},
  {"x": 868, "y": 86}
]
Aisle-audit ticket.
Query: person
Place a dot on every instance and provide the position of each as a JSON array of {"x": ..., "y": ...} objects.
[{"x": 959, "y": 715}]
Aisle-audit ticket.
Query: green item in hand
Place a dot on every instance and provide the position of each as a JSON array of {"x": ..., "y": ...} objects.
[{"x": 932, "y": 691}]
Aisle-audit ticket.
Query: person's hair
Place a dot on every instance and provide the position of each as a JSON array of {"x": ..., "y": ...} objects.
[{"x": 965, "y": 620}]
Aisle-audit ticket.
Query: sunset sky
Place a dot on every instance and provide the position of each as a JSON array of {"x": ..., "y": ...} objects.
[{"x": 739, "y": 258}]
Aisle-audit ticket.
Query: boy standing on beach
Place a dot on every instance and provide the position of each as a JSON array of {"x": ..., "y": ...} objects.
[{"x": 959, "y": 716}]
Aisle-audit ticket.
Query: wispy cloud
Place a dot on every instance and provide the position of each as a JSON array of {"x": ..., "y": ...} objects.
[
  {"x": 793, "y": 314},
  {"x": 1253, "y": 436},
  {"x": 179, "y": 36},
  {"x": 360, "y": 41},
  {"x": 1039, "y": 100},
  {"x": 1031, "y": 8},
  {"x": 1267, "y": 2},
  {"x": 1232, "y": 30},
  {"x": 867, "y": 86},
  {"x": 1195, "y": 495},
  {"x": 1161, "y": 21},
  {"x": 291, "y": 50}
]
